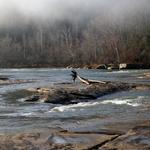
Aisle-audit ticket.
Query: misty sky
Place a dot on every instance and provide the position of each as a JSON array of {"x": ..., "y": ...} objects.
[{"x": 59, "y": 9}]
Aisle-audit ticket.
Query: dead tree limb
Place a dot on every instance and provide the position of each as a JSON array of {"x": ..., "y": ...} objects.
[{"x": 86, "y": 81}]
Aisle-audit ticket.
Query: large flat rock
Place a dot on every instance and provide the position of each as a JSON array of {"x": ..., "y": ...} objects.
[
  {"x": 54, "y": 141},
  {"x": 136, "y": 138}
]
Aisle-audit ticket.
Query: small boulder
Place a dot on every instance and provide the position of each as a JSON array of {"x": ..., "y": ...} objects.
[
  {"x": 33, "y": 98},
  {"x": 101, "y": 66},
  {"x": 112, "y": 66},
  {"x": 4, "y": 78}
]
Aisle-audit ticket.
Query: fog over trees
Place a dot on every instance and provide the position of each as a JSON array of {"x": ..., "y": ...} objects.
[{"x": 58, "y": 33}]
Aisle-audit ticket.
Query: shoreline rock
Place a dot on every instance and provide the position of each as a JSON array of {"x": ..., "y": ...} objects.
[{"x": 136, "y": 138}]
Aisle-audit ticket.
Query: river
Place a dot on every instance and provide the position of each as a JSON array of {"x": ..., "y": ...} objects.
[{"x": 121, "y": 107}]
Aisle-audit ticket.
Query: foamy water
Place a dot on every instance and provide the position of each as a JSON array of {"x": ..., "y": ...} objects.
[
  {"x": 75, "y": 107},
  {"x": 132, "y": 102}
]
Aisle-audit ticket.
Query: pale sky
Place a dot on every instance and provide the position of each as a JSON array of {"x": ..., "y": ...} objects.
[{"x": 62, "y": 8}]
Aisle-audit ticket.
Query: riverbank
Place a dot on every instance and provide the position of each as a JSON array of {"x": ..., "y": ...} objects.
[
  {"x": 108, "y": 66},
  {"x": 119, "y": 66}
]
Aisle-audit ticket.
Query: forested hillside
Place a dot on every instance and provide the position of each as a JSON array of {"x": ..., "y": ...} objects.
[{"x": 113, "y": 34}]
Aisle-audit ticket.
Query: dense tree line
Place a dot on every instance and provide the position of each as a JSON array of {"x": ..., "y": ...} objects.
[{"x": 91, "y": 40}]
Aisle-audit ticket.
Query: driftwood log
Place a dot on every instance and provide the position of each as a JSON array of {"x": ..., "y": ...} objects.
[{"x": 84, "y": 80}]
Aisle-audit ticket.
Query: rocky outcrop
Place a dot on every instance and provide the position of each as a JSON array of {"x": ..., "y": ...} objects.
[
  {"x": 75, "y": 93},
  {"x": 72, "y": 94}
]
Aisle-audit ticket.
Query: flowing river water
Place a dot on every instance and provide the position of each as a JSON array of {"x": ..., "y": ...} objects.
[{"x": 121, "y": 107}]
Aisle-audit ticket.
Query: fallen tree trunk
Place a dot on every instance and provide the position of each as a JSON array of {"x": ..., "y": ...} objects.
[{"x": 83, "y": 80}]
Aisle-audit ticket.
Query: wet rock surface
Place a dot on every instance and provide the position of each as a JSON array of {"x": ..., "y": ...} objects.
[
  {"x": 136, "y": 138},
  {"x": 72, "y": 94}
]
